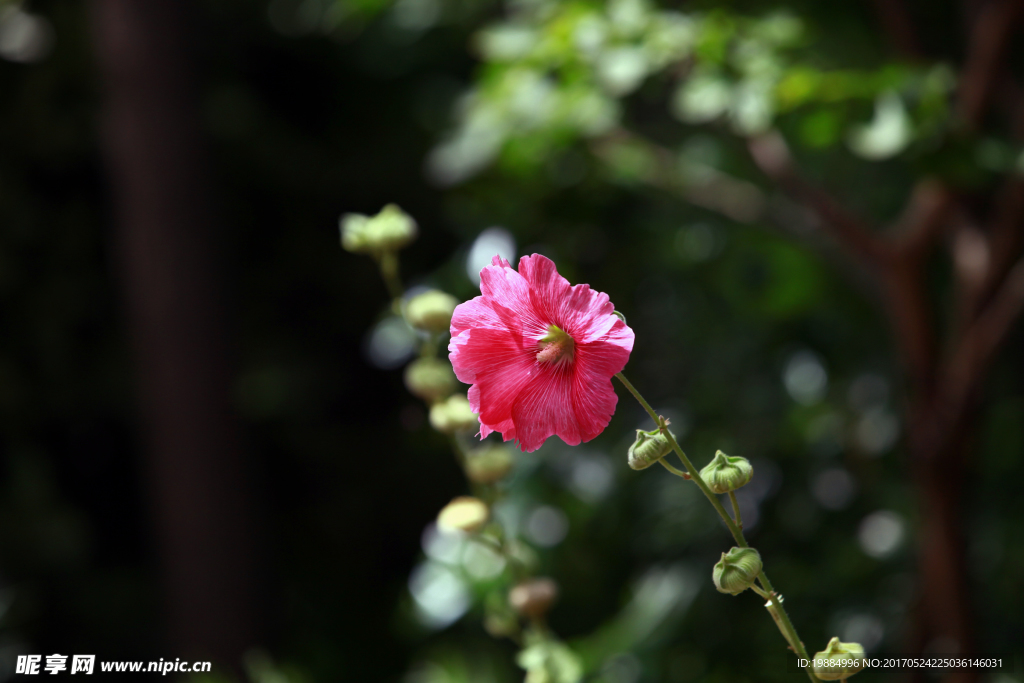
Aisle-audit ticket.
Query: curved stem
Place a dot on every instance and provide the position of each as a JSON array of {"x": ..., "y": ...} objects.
[
  {"x": 388, "y": 263},
  {"x": 690, "y": 469},
  {"x": 774, "y": 605},
  {"x": 736, "y": 510},
  {"x": 673, "y": 470}
]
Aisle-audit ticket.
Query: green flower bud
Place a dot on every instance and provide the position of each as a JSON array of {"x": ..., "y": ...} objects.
[
  {"x": 726, "y": 473},
  {"x": 838, "y": 661},
  {"x": 533, "y": 598},
  {"x": 389, "y": 230},
  {"x": 453, "y": 415},
  {"x": 737, "y": 570},
  {"x": 430, "y": 379},
  {"x": 488, "y": 465},
  {"x": 549, "y": 661},
  {"x": 431, "y": 311},
  {"x": 353, "y": 233},
  {"x": 649, "y": 448},
  {"x": 464, "y": 513}
]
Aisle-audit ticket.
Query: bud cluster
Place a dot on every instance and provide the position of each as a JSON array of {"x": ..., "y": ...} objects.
[{"x": 388, "y": 231}]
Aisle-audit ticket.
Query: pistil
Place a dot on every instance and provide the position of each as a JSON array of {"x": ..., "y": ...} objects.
[{"x": 556, "y": 346}]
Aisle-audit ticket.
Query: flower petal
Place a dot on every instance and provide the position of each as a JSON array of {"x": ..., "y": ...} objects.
[
  {"x": 497, "y": 366},
  {"x": 579, "y": 310},
  {"x": 544, "y": 408},
  {"x": 509, "y": 293},
  {"x": 593, "y": 397}
]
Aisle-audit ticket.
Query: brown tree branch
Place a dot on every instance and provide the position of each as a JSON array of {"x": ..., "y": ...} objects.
[
  {"x": 926, "y": 214},
  {"x": 899, "y": 263},
  {"x": 702, "y": 185},
  {"x": 1011, "y": 101},
  {"x": 982, "y": 339},
  {"x": 1005, "y": 240},
  {"x": 175, "y": 299},
  {"x": 772, "y": 156},
  {"x": 989, "y": 39},
  {"x": 911, "y": 319}
]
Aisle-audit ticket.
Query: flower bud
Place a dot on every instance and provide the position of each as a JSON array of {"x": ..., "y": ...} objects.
[
  {"x": 430, "y": 379},
  {"x": 549, "y": 661},
  {"x": 737, "y": 570},
  {"x": 838, "y": 661},
  {"x": 649, "y": 448},
  {"x": 389, "y": 230},
  {"x": 533, "y": 598},
  {"x": 453, "y": 415},
  {"x": 431, "y": 311},
  {"x": 353, "y": 233},
  {"x": 488, "y": 465},
  {"x": 726, "y": 473},
  {"x": 464, "y": 513}
]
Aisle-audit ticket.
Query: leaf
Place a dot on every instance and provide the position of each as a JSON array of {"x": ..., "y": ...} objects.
[{"x": 888, "y": 133}]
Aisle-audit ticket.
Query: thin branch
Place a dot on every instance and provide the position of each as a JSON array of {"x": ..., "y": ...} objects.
[
  {"x": 911, "y": 319},
  {"x": 899, "y": 263},
  {"x": 1011, "y": 102},
  {"x": 926, "y": 214},
  {"x": 735, "y": 198},
  {"x": 700, "y": 184},
  {"x": 772, "y": 156},
  {"x": 1005, "y": 240},
  {"x": 983, "y": 338},
  {"x": 972, "y": 258},
  {"x": 989, "y": 39}
]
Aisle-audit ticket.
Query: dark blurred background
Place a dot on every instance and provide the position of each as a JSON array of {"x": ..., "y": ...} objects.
[{"x": 207, "y": 449}]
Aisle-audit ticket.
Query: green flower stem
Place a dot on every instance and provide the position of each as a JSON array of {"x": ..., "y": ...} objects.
[
  {"x": 736, "y": 510},
  {"x": 500, "y": 545},
  {"x": 490, "y": 495},
  {"x": 776, "y": 609},
  {"x": 458, "y": 450},
  {"x": 428, "y": 349},
  {"x": 673, "y": 470},
  {"x": 388, "y": 262},
  {"x": 690, "y": 469}
]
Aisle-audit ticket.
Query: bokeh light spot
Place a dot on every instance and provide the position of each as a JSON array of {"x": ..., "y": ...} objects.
[
  {"x": 881, "y": 534},
  {"x": 491, "y": 242}
]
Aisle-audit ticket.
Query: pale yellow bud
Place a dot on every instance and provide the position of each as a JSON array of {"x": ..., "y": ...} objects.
[
  {"x": 431, "y": 311},
  {"x": 464, "y": 513},
  {"x": 430, "y": 379}
]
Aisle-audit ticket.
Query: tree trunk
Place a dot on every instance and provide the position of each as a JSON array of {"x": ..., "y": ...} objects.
[
  {"x": 176, "y": 314},
  {"x": 942, "y": 616}
]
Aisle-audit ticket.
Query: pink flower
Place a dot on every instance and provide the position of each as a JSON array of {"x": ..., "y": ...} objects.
[{"x": 539, "y": 353}]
